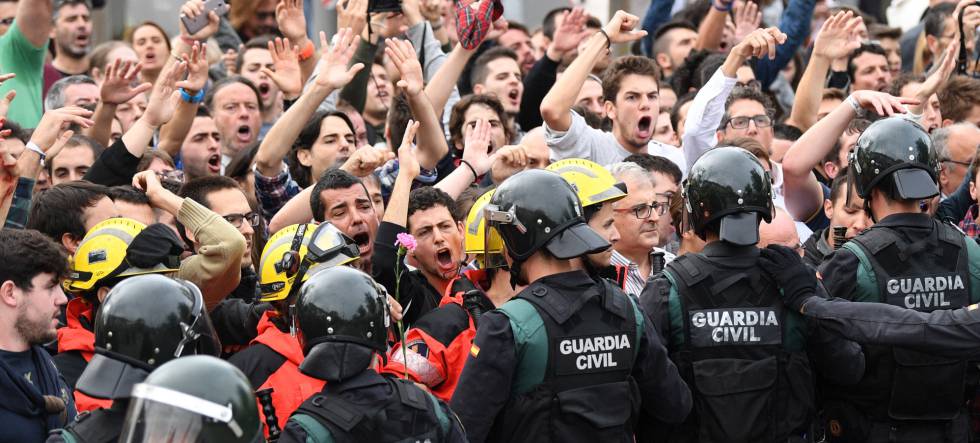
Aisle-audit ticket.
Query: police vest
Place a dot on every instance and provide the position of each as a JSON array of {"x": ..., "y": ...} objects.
[
  {"x": 732, "y": 347},
  {"x": 588, "y": 360},
  {"x": 99, "y": 426},
  {"x": 411, "y": 414},
  {"x": 465, "y": 292},
  {"x": 924, "y": 273}
]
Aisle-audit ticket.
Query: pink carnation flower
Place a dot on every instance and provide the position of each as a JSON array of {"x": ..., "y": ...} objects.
[{"x": 405, "y": 240}]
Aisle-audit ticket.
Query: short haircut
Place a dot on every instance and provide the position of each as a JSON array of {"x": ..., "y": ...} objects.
[
  {"x": 622, "y": 170},
  {"x": 783, "y": 131},
  {"x": 17, "y": 131},
  {"x": 458, "y": 116},
  {"x": 832, "y": 156},
  {"x": 612, "y": 78},
  {"x": 480, "y": 71},
  {"x": 260, "y": 42},
  {"x": 879, "y": 31},
  {"x": 333, "y": 178},
  {"x": 55, "y": 98},
  {"x": 128, "y": 194},
  {"x": 935, "y": 18},
  {"x": 687, "y": 75},
  {"x": 240, "y": 165},
  {"x": 658, "y": 164},
  {"x": 516, "y": 26},
  {"x": 707, "y": 68},
  {"x": 307, "y": 137},
  {"x": 59, "y": 210},
  {"x": 27, "y": 253},
  {"x": 675, "y": 112},
  {"x": 397, "y": 120},
  {"x": 958, "y": 98},
  {"x": 154, "y": 154},
  {"x": 902, "y": 80},
  {"x": 200, "y": 188},
  {"x": 58, "y": 4},
  {"x": 661, "y": 43},
  {"x": 833, "y": 94},
  {"x": 838, "y": 187},
  {"x": 78, "y": 140},
  {"x": 228, "y": 81},
  {"x": 428, "y": 197},
  {"x": 746, "y": 93},
  {"x": 871, "y": 48},
  {"x": 975, "y": 164},
  {"x": 940, "y": 142},
  {"x": 468, "y": 197},
  {"x": 548, "y": 25}
]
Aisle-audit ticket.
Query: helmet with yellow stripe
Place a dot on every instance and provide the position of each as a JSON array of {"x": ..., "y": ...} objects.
[
  {"x": 299, "y": 251},
  {"x": 593, "y": 183},
  {"x": 104, "y": 254},
  {"x": 489, "y": 250}
]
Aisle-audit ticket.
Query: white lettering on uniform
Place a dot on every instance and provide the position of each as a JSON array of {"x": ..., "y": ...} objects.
[
  {"x": 924, "y": 292},
  {"x": 594, "y": 352}
]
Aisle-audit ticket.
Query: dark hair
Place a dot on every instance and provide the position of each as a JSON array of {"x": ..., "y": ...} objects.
[
  {"x": 749, "y": 144},
  {"x": 660, "y": 42},
  {"x": 686, "y": 76},
  {"x": 675, "y": 112},
  {"x": 479, "y": 73},
  {"x": 397, "y": 120},
  {"x": 935, "y": 18},
  {"x": 241, "y": 164},
  {"x": 591, "y": 119},
  {"x": 902, "y": 80},
  {"x": 260, "y": 42},
  {"x": 202, "y": 111},
  {"x": 75, "y": 141},
  {"x": 694, "y": 12},
  {"x": 838, "y": 187},
  {"x": 468, "y": 197},
  {"x": 833, "y": 94},
  {"x": 872, "y": 48},
  {"x": 513, "y": 25},
  {"x": 623, "y": 66},
  {"x": 17, "y": 131},
  {"x": 333, "y": 178},
  {"x": 128, "y": 194},
  {"x": 132, "y": 32},
  {"x": 746, "y": 93},
  {"x": 786, "y": 132},
  {"x": 307, "y": 137},
  {"x": 154, "y": 154},
  {"x": 656, "y": 163},
  {"x": 27, "y": 253},
  {"x": 458, "y": 115},
  {"x": 960, "y": 95},
  {"x": 879, "y": 31},
  {"x": 199, "y": 188},
  {"x": 548, "y": 24},
  {"x": 832, "y": 156},
  {"x": 228, "y": 81},
  {"x": 60, "y": 209},
  {"x": 428, "y": 197},
  {"x": 58, "y": 4}
]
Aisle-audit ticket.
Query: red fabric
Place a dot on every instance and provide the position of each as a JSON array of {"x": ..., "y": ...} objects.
[{"x": 74, "y": 337}]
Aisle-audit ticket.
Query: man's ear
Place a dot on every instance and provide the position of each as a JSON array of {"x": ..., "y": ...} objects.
[
  {"x": 7, "y": 297},
  {"x": 663, "y": 61},
  {"x": 973, "y": 190},
  {"x": 479, "y": 88},
  {"x": 828, "y": 209},
  {"x": 102, "y": 293},
  {"x": 610, "y": 109},
  {"x": 304, "y": 157},
  {"x": 830, "y": 169}
]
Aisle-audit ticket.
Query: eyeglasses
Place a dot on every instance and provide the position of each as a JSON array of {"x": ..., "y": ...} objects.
[
  {"x": 752, "y": 84},
  {"x": 957, "y": 162},
  {"x": 761, "y": 121},
  {"x": 643, "y": 211},
  {"x": 236, "y": 219}
]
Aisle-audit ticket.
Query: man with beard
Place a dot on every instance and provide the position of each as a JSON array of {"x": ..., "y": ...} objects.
[
  {"x": 342, "y": 199},
  {"x": 630, "y": 93},
  {"x": 36, "y": 398},
  {"x": 200, "y": 153},
  {"x": 72, "y": 38},
  {"x": 236, "y": 105},
  {"x": 868, "y": 68}
]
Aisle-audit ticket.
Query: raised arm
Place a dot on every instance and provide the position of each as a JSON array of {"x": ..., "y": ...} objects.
[
  {"x": 837, "y": 38},
  {"x": 441, "y": 85},
  {"x": 713, "y": 26},
  {"x": 334, "y": 74},
  {"x": 556, "y": 105},
  {"x": 117, "y": 88},
  {"x": 432, "y": 145},
  {"x": 173, "y": 133},
  {"x": 476, "y": 161},
  {"x": 292, "y": 24},
  {"x": 160, "y": 109},
  {"x": 34, "y": 20},
  {"x": 408, "y": 169}
]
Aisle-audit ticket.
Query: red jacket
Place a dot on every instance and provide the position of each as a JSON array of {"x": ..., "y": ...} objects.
[{"x": 74, "y": 337}]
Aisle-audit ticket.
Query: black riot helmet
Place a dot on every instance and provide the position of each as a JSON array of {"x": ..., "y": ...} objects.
[
  {"x": 895, "y": 154},
  {"x": 144, "y": 322},
  {"x": 537, "y": 209},
  {"x": 194, "y": 399},
  {"x": 729, "y": 185},
  {"x": 342, "y": 316}
]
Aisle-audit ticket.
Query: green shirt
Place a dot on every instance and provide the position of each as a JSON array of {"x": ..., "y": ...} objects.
[{"x": 19, "y": 56}]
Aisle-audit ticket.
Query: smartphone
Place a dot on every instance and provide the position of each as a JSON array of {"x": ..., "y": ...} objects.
[
  {"x": 384, "y": 6},
  {"x": 198, "y": 23}
]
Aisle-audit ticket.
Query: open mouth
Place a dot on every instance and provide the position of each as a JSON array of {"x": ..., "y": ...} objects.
[
  {"x": 264, "y": 89},
  {"x": 514, "y": 94},
  {"x": 244, "y": 133},
  {"x": 362, "y": 240},
  {"x": 643, "y": 126},
  {"x": 214, "y": 163},
  {"x": 445, "y": 258}
]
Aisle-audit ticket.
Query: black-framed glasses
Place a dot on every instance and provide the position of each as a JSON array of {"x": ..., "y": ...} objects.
[
  {"x": 761, "y": 121},
  {"x": 956, "y": 162},
  {"x": 236, "y": 219},
  {"x": 752, "y": 84},
  {"x": 643, "y": 211}
]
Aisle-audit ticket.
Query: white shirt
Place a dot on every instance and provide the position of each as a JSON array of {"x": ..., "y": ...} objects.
[{"x": 704, "y": 116}]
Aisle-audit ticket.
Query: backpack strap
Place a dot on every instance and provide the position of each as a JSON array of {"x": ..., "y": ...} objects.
[
  {"x": 409, "y": 394},
  {"x": 315, "y": 432},
  {"x": 334, "y": 410}
]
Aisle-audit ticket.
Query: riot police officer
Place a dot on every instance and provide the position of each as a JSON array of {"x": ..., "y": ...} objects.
[
  {"x": 565, "y": 336},
  {"x": 910, "y": 260},
  {"x": 194, "y": 399},
  {"x": 145, "y": 321},
  {"x": 742, "y": 353},
  {"x": 342, "y": 318}
]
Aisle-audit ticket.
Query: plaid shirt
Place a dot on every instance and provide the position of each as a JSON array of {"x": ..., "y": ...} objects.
[
  {"x": 472, "y": 25},
  {"x": 388, "y": 172},
  {"x": 20, "y": 207},
  {"x": 969, "y": 222},
  {"x": 634, "y": 281},
  {"x": 274, "y": 192}
]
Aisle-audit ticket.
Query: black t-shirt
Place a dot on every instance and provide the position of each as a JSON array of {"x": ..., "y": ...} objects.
[{"x": 22, "y": 363}]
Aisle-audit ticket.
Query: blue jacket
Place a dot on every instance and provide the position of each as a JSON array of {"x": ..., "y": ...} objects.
[{"x": 22, "y": 414}]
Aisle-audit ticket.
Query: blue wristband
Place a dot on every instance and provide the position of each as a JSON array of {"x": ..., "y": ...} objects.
[
  {"x": 723, "y": 8},
  {"x": 196, "y": 98}
]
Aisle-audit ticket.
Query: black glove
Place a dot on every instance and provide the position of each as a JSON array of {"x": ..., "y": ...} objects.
[
  {"x": 796, "y": 280},
  {"x": 157, "y": 244}
]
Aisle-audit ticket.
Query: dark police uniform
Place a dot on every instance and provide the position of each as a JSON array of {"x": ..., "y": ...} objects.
[
  {"x": 98, "y": 426},
  {"x": 542, "y": 364}
]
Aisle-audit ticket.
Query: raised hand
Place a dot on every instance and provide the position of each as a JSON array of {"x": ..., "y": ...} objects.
[
  {"x": 431, "y": 9},
  {"x": 747, "y": 19},
  {"x": 508, "y": 160},
  {"x": 352, "y": 14},
  {"x": 163, "y": 100},
  {"x": 117, "y": 87},
  {"x": 53, "y": 121},
  {"x": 334, "y": 72},
  {"x": 408, "y": 163},
  {"x": 403, "y": 55},
  {"x": 882, "y": 103},
  {"x": 944, "y": 70},
  {"x": 476, "y": 146},
  {"x": 571, "y": 32},
  {"x": 365, "y": 160},
  {"x": 285, "y": 60},
  {"x": 413, "y": 12},
  {"x": 9, "y": 172},
  {"x": 197, "y": 68},
  {"x": 192, "y": 9},
  {"x": 621, "y": 28},
  {"x": 289, "y": 17},
  {"x": 6, "y": 101},
  {"x": 759, "y": 43},
  {"x": 838, "y": 36},
  {"x": 230, "y": 60}
]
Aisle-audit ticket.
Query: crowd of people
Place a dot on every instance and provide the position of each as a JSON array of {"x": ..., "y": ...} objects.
[{"x": 711, "y": 221}]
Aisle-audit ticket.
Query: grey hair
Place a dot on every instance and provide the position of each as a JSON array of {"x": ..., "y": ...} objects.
[
  {"x": 58, "y": 4},
  {"x": 56, "y": 94},
  {"x": 629, "y": 170}
]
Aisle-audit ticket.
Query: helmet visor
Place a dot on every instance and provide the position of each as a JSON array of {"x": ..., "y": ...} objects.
[{"x": 161, "y": 415}]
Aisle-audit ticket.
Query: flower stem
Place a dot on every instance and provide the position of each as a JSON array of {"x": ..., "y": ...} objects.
[{"x": 398, "y": 297}]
